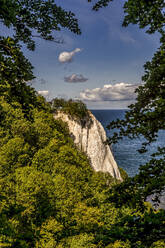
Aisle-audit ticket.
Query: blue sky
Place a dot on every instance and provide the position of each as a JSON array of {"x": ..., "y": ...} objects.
[{"x": 109, "y": 66}]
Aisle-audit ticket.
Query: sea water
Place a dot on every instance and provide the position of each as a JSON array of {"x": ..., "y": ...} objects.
[{"x": 125, "y": 151}]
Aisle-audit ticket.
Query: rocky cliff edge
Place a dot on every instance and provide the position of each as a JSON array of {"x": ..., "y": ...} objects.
[{"x": 90, "y": 137}]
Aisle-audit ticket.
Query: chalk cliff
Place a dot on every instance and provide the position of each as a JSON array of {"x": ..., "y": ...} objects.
[{"x": 90, "y": 136}]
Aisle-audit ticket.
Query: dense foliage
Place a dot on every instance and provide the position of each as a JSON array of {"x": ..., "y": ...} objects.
[
  {"x": 75, "y": 109},
  {"x": 146, "y": 117},
  {"x": 29, "y": 19},
  {"x": 49, "y": 195},
  {"x": 46, "y": 184}
]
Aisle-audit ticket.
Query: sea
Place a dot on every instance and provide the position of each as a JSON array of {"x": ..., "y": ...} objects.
[{"x": 125, "y": 151}]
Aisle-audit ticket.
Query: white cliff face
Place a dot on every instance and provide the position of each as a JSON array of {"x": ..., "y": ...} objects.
[{"x": 90, "y": 139}]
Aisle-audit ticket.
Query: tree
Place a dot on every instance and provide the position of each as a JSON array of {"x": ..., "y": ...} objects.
[
  {"x": 145, "y": 13},
  {"x": 146, "y": 116},
  {"x": 76, "y": 110},
  {"x": 49, "y": 194},
  {"x": 27, "y": 19},
  {"x": 38, "y": 18}
]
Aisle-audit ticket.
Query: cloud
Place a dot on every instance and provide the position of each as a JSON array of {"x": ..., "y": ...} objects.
[
  {"x": 37, "y": 80},
  {"x": 33, "y": 81},
  {"x": 74, "y": 78},
  {"x": 42, "y": 81},
  {"x": 113, "y": 19},
  {"x": 123, "y": 35},
  {"x": 62, "y": 95},
  {"x": 116, "y": 32},
  {"x": 117, "y": 92},
  {"x": 66, "y": 57},
  {"x": 43, "y": 93}
]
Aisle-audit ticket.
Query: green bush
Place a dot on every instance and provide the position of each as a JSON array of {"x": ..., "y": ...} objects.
[
  {"x": 75, "y": 109},
  {"x": 123, "y": 173}
]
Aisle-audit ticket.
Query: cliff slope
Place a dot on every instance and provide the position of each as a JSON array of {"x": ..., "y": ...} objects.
[{"x": 90, "y": 136}]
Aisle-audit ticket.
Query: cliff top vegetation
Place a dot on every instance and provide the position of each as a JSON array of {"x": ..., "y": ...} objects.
[{"x": 75, "y": 109}]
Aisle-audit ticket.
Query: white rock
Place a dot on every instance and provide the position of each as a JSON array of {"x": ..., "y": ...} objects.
[{"x": 90, "y": 139}]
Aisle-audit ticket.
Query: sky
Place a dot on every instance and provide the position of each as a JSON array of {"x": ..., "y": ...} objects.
[{"x": 102, "y": 66}]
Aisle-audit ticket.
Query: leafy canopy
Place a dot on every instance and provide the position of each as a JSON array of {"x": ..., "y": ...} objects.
[
  {"x": 75, "y": 109},
  {"x": 39, "y": 18},
  {"x": 146, "y": 116},
  {"x": 145, "y": 13},
  {"x": 49, "y": 195}
]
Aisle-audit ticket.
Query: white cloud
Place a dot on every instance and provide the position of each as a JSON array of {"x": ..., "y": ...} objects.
[
  {"x": 123, "y": 35},
  {"x": 43, "y": 93},
  {"x": 74, "y": 78},
  {"x": 62, "y": 95},
  {"x": 117, "y": 92},
  {"x": 66, "y": 57}
]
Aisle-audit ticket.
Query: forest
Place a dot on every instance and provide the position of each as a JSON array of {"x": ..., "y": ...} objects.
[{"x": 49, "y": 194}]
